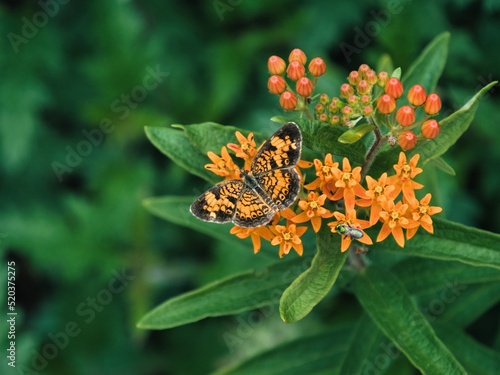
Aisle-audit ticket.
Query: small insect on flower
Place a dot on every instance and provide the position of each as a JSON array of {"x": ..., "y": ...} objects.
[{"x": 347, "y": 230}]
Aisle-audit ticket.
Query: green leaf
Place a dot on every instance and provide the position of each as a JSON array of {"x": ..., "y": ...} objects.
[
  {"x": 322, "y": 137},
  {"x": 388, "y": 303},
  {"x": 355, "y": 134},
  {"x": 312, "y": 285},
  {"x": 429, "y": 66},
  {"x": 396, "y": 73},
  {"x": 450, "y": 241},
  {"x": 385, "y": 63},
  {"x": 209, "y": 136},
  {"x": 177, "y": 147},
  {"x": 452, "y": 128},
  {"x": 476, "y": 358},
  {"x": 314, "y": 355},
  {"x": 176, "y": 210},
  {"x": 242, "y": 292},
  {"x": 365, "y": 345},
  {"x": 440, "y": 163}
]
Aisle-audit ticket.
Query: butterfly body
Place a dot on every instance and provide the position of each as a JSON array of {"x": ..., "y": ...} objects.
[{"x": 271, "y": 185}]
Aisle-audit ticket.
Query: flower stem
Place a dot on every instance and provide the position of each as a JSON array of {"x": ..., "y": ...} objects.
[{"x": 372, "y": 152}]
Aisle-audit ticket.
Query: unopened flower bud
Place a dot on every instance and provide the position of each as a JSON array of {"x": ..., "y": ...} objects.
[
  {"x": 371, "y": 77},
  {"x": 430, "y": 129},
  {"x": 324, "y": 99},
  {"x": 363, "y": 87},
  {"x": 323, "y": 117},
  {"x": 383, "y": 77},
  {"x": 346, "y": 90},
  {"x": 304, "y": 87},
  {"x": 334, "y": 120},
  {"x": 317, "y": 67},
  {"x": 297, "y": 55},
  {"x": 417, "y": 95},
  {"x": 295, "y": 70},
  {"x": 432, "y": 104},
  {"x": 394, "y": 88},
  {"x": 386, "y": 104},
  {"x": 354, "y": 78},
  {"x": 319, "y": 109},
  {"x": 405, "y": 115},
  {"x": 367, "y": 110},
  {"x": 276, "y": 84},
  {"x": 276, "y": 65},
  {"x": 288, "y": 100},
  {"x": 363, "y": 68},
  {"x": 407, "y": 140}
]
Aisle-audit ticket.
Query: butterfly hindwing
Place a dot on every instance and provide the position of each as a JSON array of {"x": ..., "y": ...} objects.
[
  {"x": 281, "y": 185},
  {"x": 251, "y": 210},
  {"x": 218, "y": 203}
]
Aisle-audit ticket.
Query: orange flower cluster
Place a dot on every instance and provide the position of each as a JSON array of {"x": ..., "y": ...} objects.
[
  {"x": 296, "y": 71},
  {"x": 342, "y": 186}
]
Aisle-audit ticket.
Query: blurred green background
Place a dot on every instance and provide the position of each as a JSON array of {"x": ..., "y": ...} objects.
[{"x": 73, "y": 223}]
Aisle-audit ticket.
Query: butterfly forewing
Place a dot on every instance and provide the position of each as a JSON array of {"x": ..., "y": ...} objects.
[
  {"x": 218, "y": 203},
  {"x": 281, "y": 150}
]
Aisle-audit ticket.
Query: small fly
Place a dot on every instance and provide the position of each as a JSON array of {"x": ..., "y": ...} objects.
[{"x": 347, "y": 230}]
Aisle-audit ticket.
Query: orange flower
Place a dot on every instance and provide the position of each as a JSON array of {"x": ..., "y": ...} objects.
[
  {"x": 246, "y": 150},
  {"x": 393, "y": 217},
  {"x": 288, "y": 237},
  {"x": 325, "y": 180},
  {"x": 347, "y": 183},
  {"x": 254, "y": 233},
  {"x": 378, "y": 193},
  {"x": 313, "y": 210},
  {"x": 223, "y": 165},
  {"x": 350, "y": 220},
  {"x": 403, "y": 179},
  {"x": 422, "y": 215}
]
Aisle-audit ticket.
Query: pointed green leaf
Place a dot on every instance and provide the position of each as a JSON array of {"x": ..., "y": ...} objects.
[
  {"x": 385, "y": 64},
  {"x": 176, "y": 210},
  {"x": 177, "y": 147},
  {"x": 388, "y": 303},
  {"x": 450, "y": 241},
  {"x": 429, "y": 66},
  {"x": 440, "y": 163},
  {"x": 476, "y": 358},
  {"x": 242, "y": 292},
  {"x": 356, "y": 133},
  {"x": 396, "y": 73},
  {"x": 314, "y": 355},
  {"x": 312, "y": 285},
  {"x": 452, "y": 128},
  {"x": 209, "y": 136},
  {"x": 322, "y": 137}
]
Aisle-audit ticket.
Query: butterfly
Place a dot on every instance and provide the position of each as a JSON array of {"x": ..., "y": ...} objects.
[{"x": 271, "y": 185}]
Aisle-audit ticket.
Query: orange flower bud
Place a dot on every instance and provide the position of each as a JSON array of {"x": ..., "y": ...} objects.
[
  {"x": 407, "y": 140},
  {"x": 353, "y": 99},
  {"x": 417, "y": 95},
  {"x": 347, "y": 111},
  {"x": 354, "y": 78},
  {"x": 363, "y": 68},
  {"x": 432, "y": 104},
  {"x": 346, "y": 90},
  {"x": 383, "y": 77},
  {"x": 371, "y": 77},
  {"x": 276, "y": 65},
  {"x": 366, "y": 99},
  {"x": 304, "y": 87},
  {"x": 368, "y": 110},
  {"x": 394, "y": 87},
  {"x": 297, "y": 55},
  {"x": 334, "y": 120},
  {"x": 386, "y": 104},
  {"x": 363, "y": 87},
  {"x": 323, "y": 117},
  {"x": 276, "y": 84},
  {"x": 288, "y": 100},
  {"x": 324, "y": 99},
  {"x": 319, "y": 109},
  {"x": 332, "y": 108},
  {"x": 295, "y": 70},
  {"x": 430, "y": 129},
  {"x": 405, "y": 115},
  {"x": 317, "y": 67}
]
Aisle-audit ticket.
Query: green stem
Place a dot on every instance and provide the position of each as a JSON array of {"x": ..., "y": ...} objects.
[{"x": 372, "y": 152}]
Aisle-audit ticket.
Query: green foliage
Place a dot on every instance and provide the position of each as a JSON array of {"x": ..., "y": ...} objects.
[{"x": 71, "y": 232}]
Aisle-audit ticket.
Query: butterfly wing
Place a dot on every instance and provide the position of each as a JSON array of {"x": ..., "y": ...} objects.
[
  {"x": 218, "y": 204},
  {"x": 281, "y": 185},
  {"x": 281, "y": 150},
  {"x": 251, "y": 210}
]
